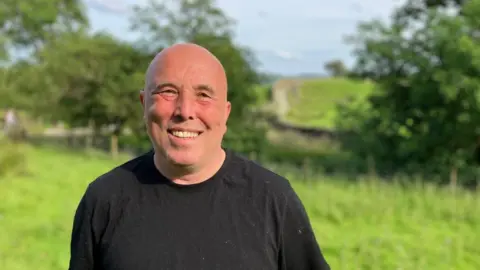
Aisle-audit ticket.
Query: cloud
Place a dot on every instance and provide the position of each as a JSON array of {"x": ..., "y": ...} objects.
[
  {"x": 287, "y": 35},
  {"x": 109, "y": 6},
  {"x": 309, "y": 32},
  {"x": 285, "y": 55}
]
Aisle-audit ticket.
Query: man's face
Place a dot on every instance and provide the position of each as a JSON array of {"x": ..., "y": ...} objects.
[{"x": 185, "y": 108}]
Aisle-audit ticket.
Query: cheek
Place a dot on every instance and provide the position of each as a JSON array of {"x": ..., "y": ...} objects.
[
  {"x": 213, "y": 118},
  {"x": 159, "y": 112}
]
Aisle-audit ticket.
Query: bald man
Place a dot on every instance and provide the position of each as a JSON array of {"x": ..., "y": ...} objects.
[{"x": 189, "y": 203}]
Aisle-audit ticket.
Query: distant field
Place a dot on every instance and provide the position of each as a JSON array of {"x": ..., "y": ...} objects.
[
  {"x": 314, "y": 106},
  {"x": 360, "y": 226}
]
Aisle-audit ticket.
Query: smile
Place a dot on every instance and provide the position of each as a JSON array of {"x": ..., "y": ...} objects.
[{"x": 184, "y": 134}]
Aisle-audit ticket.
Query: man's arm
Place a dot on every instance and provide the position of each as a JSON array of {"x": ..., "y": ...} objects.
[
  {"x": 299, "y": 249},
  {"x": 83, "y": 244}
]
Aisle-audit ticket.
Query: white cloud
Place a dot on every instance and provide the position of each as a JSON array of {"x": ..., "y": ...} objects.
[
  {"x": 286, "y": 55},
  {"x": 110, "y": 6}
]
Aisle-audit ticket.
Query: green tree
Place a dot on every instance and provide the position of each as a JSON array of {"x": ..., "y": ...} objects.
[
  {"x": 27, "y": 24},
  {"x": 336, "y": 68},
  {"x": 21, "y": 93},
  {"x": 93, "y": 81},
  {"x": 414, "y": 10},
  {"x": 7, "y": 79},
  {"x": 166, "y": 22},
  {"x": 424, "y": 114}
]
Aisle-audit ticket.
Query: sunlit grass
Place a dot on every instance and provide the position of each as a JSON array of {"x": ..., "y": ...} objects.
[
  {"x": 315, "y": 104},
  {"x": 364, "y": 225},
  {"x": 371, "y": 225},
  {"x": 36, "y": 209}
]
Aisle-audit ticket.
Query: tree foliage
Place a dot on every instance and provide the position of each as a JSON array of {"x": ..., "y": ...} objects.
[
  {"x": 425, "y": 113},
  {"x": 167, "y": 22},
  {"x": 29, "y": 24},
  {"x": 336, "y": 68},
  {"x": 94, "y": 78},
  {"x": 414, "y": 10}
]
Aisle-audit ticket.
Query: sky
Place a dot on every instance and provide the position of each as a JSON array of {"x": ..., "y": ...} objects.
[{"x": 288, "y": 37}]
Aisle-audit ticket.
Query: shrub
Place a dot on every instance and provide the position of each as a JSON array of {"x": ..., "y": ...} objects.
[{"x": 12, "y": 158}]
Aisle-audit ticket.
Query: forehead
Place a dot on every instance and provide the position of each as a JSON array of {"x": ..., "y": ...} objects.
[{"x": 181, "y": 70}]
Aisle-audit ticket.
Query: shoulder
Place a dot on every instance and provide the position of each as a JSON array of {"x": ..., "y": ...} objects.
[
  {"x": 117, "y": 180},
  {"x": 266, "y": 188},
  {"x": 259, "y": 176}
]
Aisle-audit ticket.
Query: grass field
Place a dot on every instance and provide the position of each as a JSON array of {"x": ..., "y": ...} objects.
[
  {"x": 314, "y": 105},
  {"x": 365, "y": 225}
]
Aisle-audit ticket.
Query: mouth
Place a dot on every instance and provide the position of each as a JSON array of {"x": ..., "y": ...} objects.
[{"x": 184, "y": 134}]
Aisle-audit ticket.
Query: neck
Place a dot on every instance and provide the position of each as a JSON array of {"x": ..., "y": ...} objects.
[{"x": 189, "y": 175}]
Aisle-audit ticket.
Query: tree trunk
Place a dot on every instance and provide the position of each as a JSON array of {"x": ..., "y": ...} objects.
[
  {"x": 372, "y": 172},
  {"x": 90, "y": 135},
  {"x": 114, "y": 145},
  {"x": 453, "y": 177}
]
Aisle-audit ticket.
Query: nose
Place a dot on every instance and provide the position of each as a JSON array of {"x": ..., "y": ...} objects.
[{"x": 185, "y": 107}]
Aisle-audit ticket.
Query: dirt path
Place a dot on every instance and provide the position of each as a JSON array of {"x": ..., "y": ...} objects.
[{"x": 280, "y": 91}]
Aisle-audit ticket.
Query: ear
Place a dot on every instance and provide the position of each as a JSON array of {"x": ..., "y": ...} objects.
[
  {"x": 142, "y": 98},
  {"x": 228, "y": 110}
]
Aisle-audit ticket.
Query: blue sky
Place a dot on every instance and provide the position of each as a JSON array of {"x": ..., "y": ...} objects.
[{"x": 288, "y": 36}]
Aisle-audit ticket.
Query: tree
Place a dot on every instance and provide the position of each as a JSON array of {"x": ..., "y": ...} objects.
[
  {"x": 94, "y": 81},
  {"x": 29, "y": 24},
  {"x": 423, "y": 116},
  {"x": 336, "y": 68},
  {"x": 22, "y": 93},
  {"x": 414, "y": 10},
  {"x": 171, "y": 21},
  {"x": 7, "y": 79}
]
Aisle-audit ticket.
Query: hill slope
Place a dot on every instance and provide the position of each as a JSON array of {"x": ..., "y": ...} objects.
[{"x": 313, "y": 105}]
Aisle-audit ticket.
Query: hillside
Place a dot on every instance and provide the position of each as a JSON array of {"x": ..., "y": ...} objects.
[
  {"x": 365, "y": 225},
  {"x": 313, "y": 103}
]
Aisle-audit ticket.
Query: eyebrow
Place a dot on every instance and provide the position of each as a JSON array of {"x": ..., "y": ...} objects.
[
  {"x": 204, "y": 87},
  {"x": 163, "y": 85},
  {"x": 200, "y": 87}
]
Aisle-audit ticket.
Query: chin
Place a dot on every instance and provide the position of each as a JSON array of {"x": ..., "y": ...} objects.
[{"x": 183, "y": 157}]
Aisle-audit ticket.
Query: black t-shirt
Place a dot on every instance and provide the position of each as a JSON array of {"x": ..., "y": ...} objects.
[{"x": 245, "y": 217}]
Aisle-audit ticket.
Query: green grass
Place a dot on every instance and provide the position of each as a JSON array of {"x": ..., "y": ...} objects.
[
  {"x": 374, "y": 226},
  {"x": 315, "y": 106},
  {"x": 36, "y": 209},
  {"x": 365, "y": 225}
]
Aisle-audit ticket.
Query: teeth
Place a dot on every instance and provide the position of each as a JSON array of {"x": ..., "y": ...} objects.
[{"x": 184, "y": 134}]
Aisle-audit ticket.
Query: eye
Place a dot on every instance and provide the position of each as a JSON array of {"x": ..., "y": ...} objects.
[
  {"x": 168, "y": 92},
  {"x": 203, "y": 95}
]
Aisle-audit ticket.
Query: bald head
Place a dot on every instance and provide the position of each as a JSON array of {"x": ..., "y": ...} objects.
[
  {"x": 186, "y": 95},
  {"x": 185, "y": 59}
]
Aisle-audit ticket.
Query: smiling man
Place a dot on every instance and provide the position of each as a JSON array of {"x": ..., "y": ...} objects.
[
  {"x": 189, "y": 203},
  {"x": 186, "y": 111}
]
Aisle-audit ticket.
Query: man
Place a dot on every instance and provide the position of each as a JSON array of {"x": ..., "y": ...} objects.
[
  {"x": 189, "y": 203},
  {"x": 12, "y": 126},
  {"x": 10, "y": 120}
]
